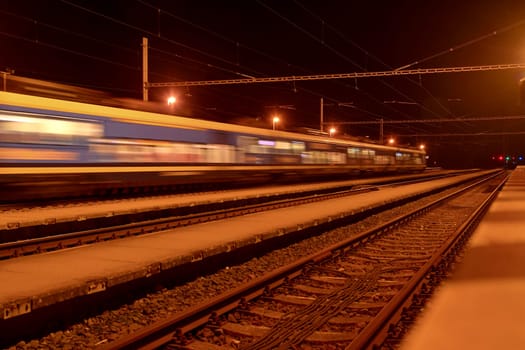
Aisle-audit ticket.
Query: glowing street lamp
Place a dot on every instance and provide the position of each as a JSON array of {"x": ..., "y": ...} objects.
[
  {"x": 422, "y": 147},
  {"x": 275, "y": 121},
  {"x": 391, "y": 141},
  {"x": 332, "y": 131},
  {"x": 171, "y": 100}
]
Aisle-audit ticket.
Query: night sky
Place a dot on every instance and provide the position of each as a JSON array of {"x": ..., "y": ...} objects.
[{"x": 97, "y": 44}]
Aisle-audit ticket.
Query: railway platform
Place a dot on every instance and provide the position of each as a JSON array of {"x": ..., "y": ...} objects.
[
  {"x": 483, "y": 305},
  {"x": 73, "y": 213},
  {"x": 33, "y": 283}
]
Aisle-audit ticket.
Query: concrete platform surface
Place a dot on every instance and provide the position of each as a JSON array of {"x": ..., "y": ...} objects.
[
  {"x": 35, "y": 281},
  {"x": 82, "y": 211},
  {"x": 483, "y": 305}
]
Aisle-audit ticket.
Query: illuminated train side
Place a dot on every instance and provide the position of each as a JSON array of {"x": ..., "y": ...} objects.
[{"x": 51, "y": 147}]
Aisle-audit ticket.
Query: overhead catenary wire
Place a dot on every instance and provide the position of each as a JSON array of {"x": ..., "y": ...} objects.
[
  {"x": 249, "y": 48},
  {"x": 441, "y": 120},
  {"x": 147, "y": 32},
  {"x": 69, "y": 32},
  {"x": 171, "y": 41},
  {"x": 353, "y": 75},
  {"x": 73, "y": 52},
  {"x": 465, "y": 44},
  {"x": 113, "y": 62},
  {"x": 368, "y": 54},
  {"x": 342, "y": 56},
  {"x": 203, "y": 63},
  {"x": 40, "y": 42}
]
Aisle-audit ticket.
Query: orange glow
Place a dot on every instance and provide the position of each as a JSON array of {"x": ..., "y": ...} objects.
[
  {"x": 275, "y": 121},
  {"x": 172, "y": 100},
  {"x": 36, "y": 154}
]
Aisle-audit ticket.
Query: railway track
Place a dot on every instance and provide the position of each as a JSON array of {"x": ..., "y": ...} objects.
[
  {"x": 20, "y": 241},
  {"x": 355, "y": 294}
]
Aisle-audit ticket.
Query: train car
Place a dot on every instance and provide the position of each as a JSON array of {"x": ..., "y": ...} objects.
[{"x": 56, "y": 148}]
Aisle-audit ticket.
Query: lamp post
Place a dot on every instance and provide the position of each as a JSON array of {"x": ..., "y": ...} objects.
[
  {"x": 275, "y": 120},
  {"x": 332, "y": 131},
  {"x": 172, "y": 100}
]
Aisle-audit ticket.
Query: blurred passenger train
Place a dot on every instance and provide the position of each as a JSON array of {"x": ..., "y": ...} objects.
[{"x": 57, "y": 148}]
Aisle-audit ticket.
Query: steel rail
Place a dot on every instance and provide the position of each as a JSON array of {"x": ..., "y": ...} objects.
[
  {"x": 177, "y": 326},
  {"x": 60, "y": 241},
  {"x": 377, "y": 330},
  {"x": 65, "y": 240}
]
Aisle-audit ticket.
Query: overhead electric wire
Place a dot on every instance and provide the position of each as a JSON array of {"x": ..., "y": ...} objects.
[
  {"x": 134, "y": 28},
  {"x": 144, "y": 31},
  {"x": 204, "y": 64},
  {"x": 159, "y": 10},
  {"x": 241, "y": 45},
  {"x": 83, "y": 36},
  {"x": 192, "y": 60},
  {"x": 162, "y": 37},
  {"x": 477, "y": 134},
  {"x": 69, "y": 32},
  {"x": 214, "y": 33},
  {"x": 465, "y": 44},
  {"x": 368, "y": 54},
  {"x": 73, "y": 52},
  {"x": 444, "y": 120},
  {"x": 344, "y": 57}
]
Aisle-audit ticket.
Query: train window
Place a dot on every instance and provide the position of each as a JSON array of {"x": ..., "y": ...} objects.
[
  {"x": 402, "y": 156},
  {"x": 384, "y": 159},
  {"x": 31, "y": 129},
  {"x": 283, "y": 146},
  {"x": 254, "y": 145},
  {"x": 352, "y": 152},
  {"x": 338, "y": 158},
  {"x": 367, "y": 153},
  {"x": 266, "y": 143},
  {"x": 317, "y": 157},
  {"x": 298, "y": 147},
  {"x": 219, "y": 153},
  {"x": 319, "y": 146},
  {"x": 361, "y": 153}
]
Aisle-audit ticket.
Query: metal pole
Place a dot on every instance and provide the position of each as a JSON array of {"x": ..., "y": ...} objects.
[
  {"x": 322, "y": 116},
  {"x": 145, "y": 69},
  {"x": 381, "y": 130}
]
